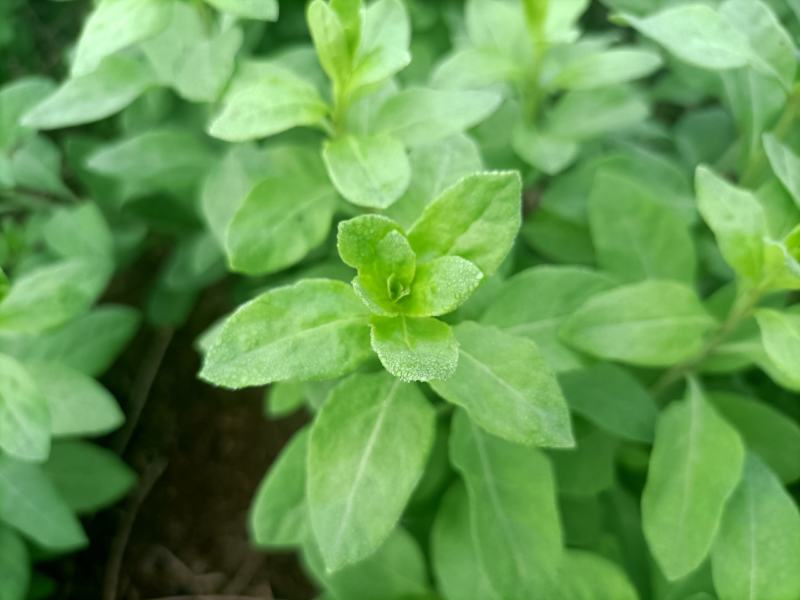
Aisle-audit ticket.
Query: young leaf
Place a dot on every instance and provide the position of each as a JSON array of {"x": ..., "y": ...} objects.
[
  {"x": 278, "y": 516},
  {"x": 415, "y": 349},
  {"x": 780, "y": 333},
  {"x": 88, "y": 477},
  {"x": 512, "y": 498},
  {"x": 507, "y": 388},
  {"x": 477, "y": 219},
  {"x": 785, "y": 164},
  {"x": 24, "y": 416},
  {"x": 372, "y": 172},
  {"x": 590, "y": 576},
  {"x": 737, "y": 220},
  {"x": 653, "y": 323},
  {"x": 634, "y": 236},
  {"x": 607, "y": 67},
  {"x": 767, "y": 432},
  {"x": 78, "y": 404},
  {"x": 535, "y": 302},
  {"x": 115, "y": 25},
  {"x": 440, "y": 286},
  {"x": 269, "y": 101},
  {"x": 358, "y": 239},
  {"x": 695, "y": 465},
  {"x": 331, "y": 41},
  {"x": 697, "y": 34},
  {"x": 315, "y": 329},
  {"x": 31, "y": 504},
  {"x": 117, "y": 82},
  {"x": 367, "y": 451},
  {"x": 613, "y": 399},
  {"x": 385, "y": 37},
  {"x": 418, "y": 116},
  {"x": 454, "y": 552},
  {"x": 758, "y": 543},
  {"x": 261, "y": 10},
  {"x": 585, "y": 114}
]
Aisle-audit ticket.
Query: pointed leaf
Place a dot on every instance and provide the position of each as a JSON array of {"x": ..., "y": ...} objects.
[
  {"x": 415, "y": 349},
  {"x": 24, "y": 415}
]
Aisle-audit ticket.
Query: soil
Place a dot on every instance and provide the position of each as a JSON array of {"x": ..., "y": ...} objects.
[{"x": 201, "y": 452}]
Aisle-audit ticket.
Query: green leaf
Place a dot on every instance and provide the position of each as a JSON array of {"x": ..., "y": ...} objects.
[
  {"x": 588, "y": 576},
  {"x": 584, "y": 114},
  {"x": 78, "y": 404},
  {"x": 95, "y": 239},
  {"x": 89, "y": 343},
  {"x": 587, "y": 468},
  {"x": 653, "y": 323},
  {"x": 512, "y": 498},
  {"x": 418, "y": 116},
  {"x": 697, "y": 34},
  {"x": 535, "y": 302},
  {"x": 358, "y": 239},
  {"x": 279, "y": 514},
  {"x": 88, "y": 477},
  {"x": 785, "y": 164},
  {"x": 634, "y": 236},
  {"x": 31, "y": 504},
  {"x": 507, "y": 388},
  {"x": 547, "y": 153},
  {"x": 268, "y": 101},
  {"x": 440, "y": 286},
  {"x": 279, "y": 222},
  {"x": 607, "y": 67},
  {"x": 208, "y": 65},
  {"x": 16, "y": 99},
  {"x": 454, "y": 551},
  {"x": 115, "y": 25},
  {"x": 52, "y": 294},
  {"x": 315, "y": 329},
  {"x": 261, "y": 10},
  {"x": 367, "y": 451},
  {"x": 117, "y": 82},
  {"x": 330, "y": 40},
  {"x": 415, "y": 349},
  {"x": 36, "y": 164},
  {"x": 758, "y": 543},
  {"x": 386, "y": 279},
  {"x": 385, "y": 38},
  {"x": 612, "y": 399},
  {"x": 695, "y": 465},
  {"x": 780, "y": 333},
  {"x": 24, "y": 416},
  {"x": 284, "y": 398},
  {"x": 15, "y": 568},
  {"x": 737, "y": 220},
  {"x": 372, "y": 172},
  {"x": 477, "y": 218}
]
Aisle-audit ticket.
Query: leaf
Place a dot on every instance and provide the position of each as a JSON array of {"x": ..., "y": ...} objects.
[
  {"x": 758, "y": 542},
  {"x": 477, "y": 218},
  {"x": 773, "y": 436},
  {"x": 279, "y": 514},
  {"x": 31, "y": 504},
  {"x": 785, "y": 164},
  {"x": 695, "y": 465},
  {"x": 418, "y": 116},
  {"x": 587, "y": 468},
  {"x": 652, "y": 323},
  {"x": 279, "y": 222},
  {"x": 440, "y": 286},
  {"x": 36, "y": 164},
  {"x": 512, "y": 498},
  {"x": 330, "y": 40},
  {"x": 780, "y": 333},
  {"x": 208, "y": 65},
  {"x": 612, "y": 399},
  {"x": 261, "y": 10},
  {"x": 385, "y": 38},
  {"x": 737, "y": 220},
  {"x": 88, "y": 477},
  {"x": 115, "y": 25},
  {"x": 78, "y": 404},
  {"x": 507, "y": 388},
  {"x": 117, "y": 82},
  {"x": 607, "y": 67},
  {"x": 24, "y": 417},
  {"x": 588, "y": 576},
  {"x": 415, "y": 349},
  {"x": 270, "y": 101},
  {"x": 584, "y": 114},
  {"x": 547, "y": 153},
  {"x": 358, "y": 239},
  {"x": 697, "y": 34},
  {"x": 15, "y": 568},
  {"x": 372, "y": 172},
  {"x": 634, "y": 236},
  {"x": 17, "y": 98},
  {"x": 385, "y": 281},
  {"x": 315, "y": 329},
  {"x": 367, "y": 450},
  {"x": 52, "y": 294},
  {"x": 95, "y": 239},
  {"x": 89, "y": 343},
  {"x": 535, "y": 302},
  {"x": 454, "y": 552}
]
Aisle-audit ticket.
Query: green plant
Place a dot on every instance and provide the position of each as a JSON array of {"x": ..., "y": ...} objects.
[{"x": 603, "y": 406}]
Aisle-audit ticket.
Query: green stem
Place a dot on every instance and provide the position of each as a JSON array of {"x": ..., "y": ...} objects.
[{"x": 341, "y": 104}]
